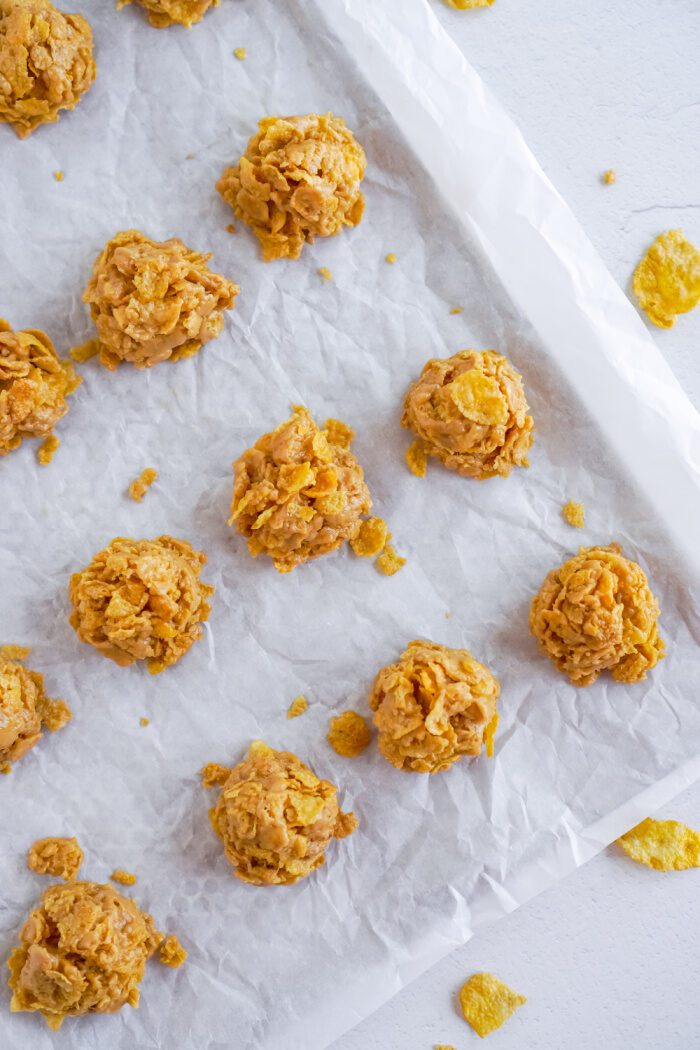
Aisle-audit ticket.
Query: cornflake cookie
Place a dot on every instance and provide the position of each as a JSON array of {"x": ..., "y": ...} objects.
[
  {"x": 667, "y": 280},
  {"x": 298, "y": 179},
  {"x": 46, "y": 63},
  {"x": 83, "y": 950},
  {"x": 154, "y": 301},
  {"x": 34, "y": 385},
  {"x": 470, "y": 412},
  {"x": 665, "y": 845},
  {"x": 55, "y": 856},
  {"x": 297, "y": 494},
  {"x": 164, "y": 13},
  {"x": 596, "y": 613},
  {"x": 348, "y": 734},
  {"x": 25, "y": 709},
  {"x": 141, "y": 600},
  {"x": 487, "y": 1002},
  {"x": 276, "y": 818},
  {"x": 433, "y": 706}
]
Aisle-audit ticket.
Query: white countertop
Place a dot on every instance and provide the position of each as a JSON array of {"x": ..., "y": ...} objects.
[{"x": 609, "y": 956}]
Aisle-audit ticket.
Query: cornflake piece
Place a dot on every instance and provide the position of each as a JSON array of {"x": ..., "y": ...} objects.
[
  {"x": 34, "y": 385},
  {"x": 125, "y": 878},
  {"x": 443, "y": 1046},
  {"x": 297, "y": 494},
  {"x": 55, "y": 856},
  {"x": 667, "y": 280},
  {"x": 214, "y": 775},
  {"x": 487, "y": 1002},
  {"x": 47, "y": 450},
  {"x": 467, "y": 5},
  {"x": 144, "y": 721},
  {"x": 609, "y": 177},
  {"x": 433, "y": 706},
  {"x": 82, "y": 950},
  {"x": 241, "y": 53},
  {"x": 59, "y": 176},
  {"x": 297, "y": 707},
  {"x": 371, "y": 538},
  {"x": 389, "y": 561},
  {"x": 348, "y": 734},
  {"x": 85, "y": 351},
  {"x": 230, "y": 228},
  {"x": 14, "y": 652},
  {"x": 154, "y": 301},
  {"x": 46, "y": 63},
  {"x": 470, "y": 411},
  {"x": 339, "y": 433},
  {"x": 457, "y": 310},
  {"x": 326, "y": 274},
  {"x": 596, "y": 613},
  {"x": 140, "y": 486},
  {"x": 276, "y": 818},
  {"x": 490, "y": 735},
  {"x": 391, "y": 258},
  {"x": 298, "y": 179},
  {"x": 171, "y": 952},
  {"x": 666, "y": 845},
  {"x": 25, "y": 709},
  {"x": 574, "y": 514},
  {"x": 417, "y": 458},
  {"x": 164, "y": 13},
  {"x": 141, "y": 600}
]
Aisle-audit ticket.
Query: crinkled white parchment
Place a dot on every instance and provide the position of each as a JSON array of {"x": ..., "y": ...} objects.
[{"x": 473, "y": 224}]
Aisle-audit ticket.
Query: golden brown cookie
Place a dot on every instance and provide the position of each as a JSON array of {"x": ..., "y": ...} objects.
[
  {"x": 154, "y": 301},
  {"x": 276, "y": 818},
  {"x": 469, "y": 411},
  {"x": 596, "y": 613},
  {"x": 298, "y": 179},
  {"x": 25, "y": 710},
  {"x": 46, "y": 63},
  {"x": 141, "y": 600},
  {"x": 432, "y": 707}
]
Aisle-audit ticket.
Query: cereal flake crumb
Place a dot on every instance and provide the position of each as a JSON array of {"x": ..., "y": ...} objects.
[
  {"x": 59, "y": 176},
  {"x": 391, "y": 258},
  {"x": 417, "y": 459},
  {"x": 574, "y": 513},
  {"x": 468, "y": 5},
  {"x": 371, "y": 538},
  {"x": 241, "y": 53},
  {"x": 348, "y": 734},
  {"x": 171, "y": 952},
  {"x": 457, "y": 310},
  {"x": 47, "y": 450},
  {"x": 14, "y": 652},
  {"x": 144, "y": 721},
  {"x": 325, "y": 273},
  {"x": 487, "y": 1002},
  {"x": 214, "y": 774},
  {"x": 389, "y": 562},
  {"x": 443, "y": 1046},
  {"x": 140, "y": 486},
  {"x": 297, "y": 707},
  {"x": 59, "y": 857},
  {"x": 85, "y": 351},
  {"x": 666, "y": 845},
  {"x": 230, "y": 228},
  {"x": 124, "y": 878},
  {"x": 667, "y": 280},
  {"x": 609, "y": 177},
  {"x": 490, "y": 735}
]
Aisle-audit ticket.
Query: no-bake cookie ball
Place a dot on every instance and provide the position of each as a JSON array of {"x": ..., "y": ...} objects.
[
  {"x": 164, "y": 13},
  {"x": 25, "y": 709},
  {"x": 596, "y": 613},
  {"x": 433, "y": 706},
  {"x": 141, "y": 600},
  {"x": 276, "y": 818},
  {"x": 299, "y": 492},
  {"x": 298, "y": 179},
  {"x": 46, "y": 63},
  {"x": 153, "y": 301},
  {"x": 470, "y": 411},
  {"x": 83, "y": 950},
  {"x": 34, "y": 385}
]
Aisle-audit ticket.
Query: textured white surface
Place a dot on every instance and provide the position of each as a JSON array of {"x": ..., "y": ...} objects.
[{"x": 609, "y": 954}]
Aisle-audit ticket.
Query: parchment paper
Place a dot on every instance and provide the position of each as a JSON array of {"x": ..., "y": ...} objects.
[{"x": 453, "y": 191}]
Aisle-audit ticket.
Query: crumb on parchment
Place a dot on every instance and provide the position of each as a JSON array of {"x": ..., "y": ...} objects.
[
  {"x": 59, "y": 857},
  {"x": 47, "y": 450},
  {"x": 348, "y": 734},
  {"x": 297, "y": 707},
  {"x": 325, "y": 273},
  {"x": 417, "y": 458},
  {"x": 124, "y": 878},
  {"x": 241, "y": 53},
  {"x": 214, "y": 774},
  {"x": 609, "y": 177},
  {"x": 59, "y": 176},
  {"x": 574, "y": 513},
  {"x": 230, "y": 228},
  {"x": 487, "y": 1002},
  {"x": 144, "y": 721},
  {"x": 457, "y": 310},
  {"x": 389, "y": 561},
  {"x": 140, "y": 485},
  {"x": 391, "y": 258},
  {"x": 171, "y": 952}
]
